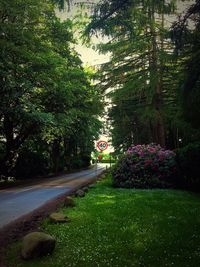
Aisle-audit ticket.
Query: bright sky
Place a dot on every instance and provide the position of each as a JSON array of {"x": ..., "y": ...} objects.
[{"x": 88, "y": 55}]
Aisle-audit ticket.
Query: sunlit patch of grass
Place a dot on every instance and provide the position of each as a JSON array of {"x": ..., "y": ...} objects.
[{"x": 124, "y": 227}]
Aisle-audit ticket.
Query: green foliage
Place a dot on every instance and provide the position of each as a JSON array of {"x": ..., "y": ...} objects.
[
  {"x": 186, "y": 36},
  {"x": 61, "y": 3},
  {"x": 80, "y": 161},
  {"x": 103, "y": 157},
  {"x": 153, "y": 88},
  {"x": 142, "y": 70},
  {"x": 108, "y": 158},
  {"x": 188, "y": 159},
  {"x": 145, "y": 166},
  {"x": 46, "y": 95},
  {"x": 109, "y": 161},
  {"x": 31, "y": 164}
]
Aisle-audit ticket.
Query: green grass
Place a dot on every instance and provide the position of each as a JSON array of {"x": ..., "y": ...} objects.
[{"x": 123, "y": 227}]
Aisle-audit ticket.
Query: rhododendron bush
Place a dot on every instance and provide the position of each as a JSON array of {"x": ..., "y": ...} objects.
[{"x": 145, "y": 166}]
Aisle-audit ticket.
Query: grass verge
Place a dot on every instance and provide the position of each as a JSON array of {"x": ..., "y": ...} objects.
[{"x": 124, "y": 227}]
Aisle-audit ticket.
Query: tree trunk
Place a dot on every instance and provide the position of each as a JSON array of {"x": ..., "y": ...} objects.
[
  {"x": 55, "y": 155},
  {"x": 9, "y": 160},
  {"x": 160, "y": 130},
  {"x": 156, "y": 81}
]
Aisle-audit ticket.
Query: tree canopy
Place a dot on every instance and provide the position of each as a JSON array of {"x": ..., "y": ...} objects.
[
  {"x": 49, "y": 106},
  {"x": 145, "y": 74}
]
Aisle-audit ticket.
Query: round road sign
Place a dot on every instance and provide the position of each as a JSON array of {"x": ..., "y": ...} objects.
[{"x": 102, "y": 145}]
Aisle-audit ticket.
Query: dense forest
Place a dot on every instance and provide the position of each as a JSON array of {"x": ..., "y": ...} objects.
[
  {"x": 152, "y": 77},
  {"x": 49, "y": 107},
  {"x": 49, "y": 112}
]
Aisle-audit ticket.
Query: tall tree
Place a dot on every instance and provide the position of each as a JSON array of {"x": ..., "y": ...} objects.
[
  {"x": 44, "y": 89},
  {"x": 141, "y": 56},
  {"x": 186, "y": 36}
]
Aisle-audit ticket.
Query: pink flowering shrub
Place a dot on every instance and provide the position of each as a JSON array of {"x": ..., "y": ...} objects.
[{"x": 145, "y": 166}]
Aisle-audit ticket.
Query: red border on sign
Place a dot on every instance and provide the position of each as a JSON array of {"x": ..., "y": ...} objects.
[{"x": 101, "y": 141}]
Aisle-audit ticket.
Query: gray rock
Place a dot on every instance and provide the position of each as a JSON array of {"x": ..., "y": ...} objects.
[
  {"x": 80, "y": 193},
  {"x": 57, "y": 217},
  {"x": 85, "y": 189},
  {"x": 69, "y": 202},
  {"x": 37, "y": 244}
]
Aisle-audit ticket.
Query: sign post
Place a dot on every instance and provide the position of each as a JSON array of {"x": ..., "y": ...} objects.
[{"x": 101, "y": 146}]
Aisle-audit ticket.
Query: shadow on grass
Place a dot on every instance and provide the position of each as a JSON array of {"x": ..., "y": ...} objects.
[{"x": 122, "y": 228}]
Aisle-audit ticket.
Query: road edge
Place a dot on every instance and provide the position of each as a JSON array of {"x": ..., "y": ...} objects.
[{"x": 16, "y": 229}]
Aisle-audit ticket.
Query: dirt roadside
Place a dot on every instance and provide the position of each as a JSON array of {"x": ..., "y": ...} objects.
[{"x": 39, "y": 179}]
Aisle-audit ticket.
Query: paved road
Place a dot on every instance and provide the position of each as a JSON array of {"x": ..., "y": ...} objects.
[{"x": 19, "y": 201}]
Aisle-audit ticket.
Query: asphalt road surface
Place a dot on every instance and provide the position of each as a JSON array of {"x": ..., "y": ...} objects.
[{"x": 15, "y": 202}]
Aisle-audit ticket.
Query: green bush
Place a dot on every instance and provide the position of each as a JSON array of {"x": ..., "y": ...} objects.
[
  {"x": 86, "y": 158},
  {"x": 80, "y": 161},
  {"x": 145, "y": 166},
  {"x": 188, "y": 161},
  {"x": 76, "y": 163},
  {"x": 31, "y": 163},
  {"x": 107, "y": 161}
]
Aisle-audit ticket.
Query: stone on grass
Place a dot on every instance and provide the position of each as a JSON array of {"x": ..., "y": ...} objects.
[
  {"x": 80, "y": 193},
  {"x": 85, "y": 189},
  {"x": 101, "y": 177},
  {"x": 69, "y": 202},
  {"x": 57, "y": 217},
  {"x": 37, "y": 244}
]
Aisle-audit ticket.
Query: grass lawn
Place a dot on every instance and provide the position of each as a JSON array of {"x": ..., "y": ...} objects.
[{"x": 123, "y": 227}]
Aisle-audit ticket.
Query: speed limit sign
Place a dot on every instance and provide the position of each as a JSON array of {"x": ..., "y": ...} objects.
[{"x": 102, "y": 145}]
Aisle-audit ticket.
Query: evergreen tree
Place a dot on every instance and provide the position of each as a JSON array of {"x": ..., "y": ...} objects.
[
  {"x": 140, "y": 68},
  {"x": 186, "y": 36}
]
